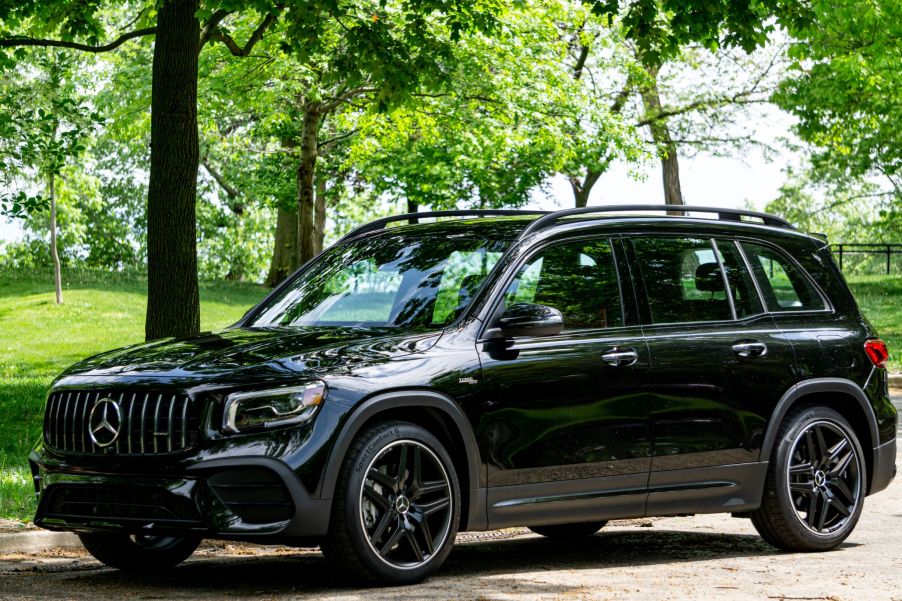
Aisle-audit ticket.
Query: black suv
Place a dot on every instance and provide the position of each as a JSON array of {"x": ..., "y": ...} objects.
[{"x": 498, "y": 369}]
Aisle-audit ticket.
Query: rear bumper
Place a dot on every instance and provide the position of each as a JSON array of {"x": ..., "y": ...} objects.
[
  {"x": 240, "y": 498},
  {"x": 884, "y": 469}
]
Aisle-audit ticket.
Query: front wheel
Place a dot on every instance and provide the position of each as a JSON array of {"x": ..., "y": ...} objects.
[
  {"x": 816, "y": 483},
  {"x": 139, "y": 553},
  {"x": 397, "y": 505}
]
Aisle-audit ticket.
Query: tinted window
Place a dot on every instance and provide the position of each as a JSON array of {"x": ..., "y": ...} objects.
[
  {"x": 579, "y": 279},
  {"x": 682, "y": 280},
  {"x": 783, "y": 285},
  {"x": 387, "y": 281},
  {"x": 745, "y": 298}
]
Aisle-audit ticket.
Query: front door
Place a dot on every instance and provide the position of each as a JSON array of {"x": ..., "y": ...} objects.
[
  {"x": 564, "y": 428},
  {"x": 719, "y": 364}
]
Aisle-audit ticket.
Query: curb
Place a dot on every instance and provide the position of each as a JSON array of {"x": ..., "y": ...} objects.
[
  {"x": 895, "y": 380},
  {"x": 37, "y": 541}
]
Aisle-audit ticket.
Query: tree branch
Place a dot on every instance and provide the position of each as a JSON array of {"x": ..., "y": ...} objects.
[
  {"x": 220, "y": 36},
  {"x": 215, "y": 19},
  {"x": 233, "y": 193},
  {"x": 26, "y": 41}
]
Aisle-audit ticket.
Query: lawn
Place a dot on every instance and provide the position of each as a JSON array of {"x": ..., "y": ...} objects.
[
  {"x": 101, "y": 311},
  {"x": 38, "y": 339}
]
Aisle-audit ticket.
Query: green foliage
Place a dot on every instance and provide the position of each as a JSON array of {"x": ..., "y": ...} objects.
[
  {"x": 845, "y": 88},
  {"x": 39, "y": 338}
]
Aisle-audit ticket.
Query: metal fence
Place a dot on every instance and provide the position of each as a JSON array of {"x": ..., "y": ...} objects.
[{"x": 862, "y": 258}]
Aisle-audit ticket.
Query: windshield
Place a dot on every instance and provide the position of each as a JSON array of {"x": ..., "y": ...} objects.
[{"x": 386, "y": 281}]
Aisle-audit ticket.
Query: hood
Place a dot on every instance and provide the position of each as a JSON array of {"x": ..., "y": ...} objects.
[{"x": 254, "y": 351}]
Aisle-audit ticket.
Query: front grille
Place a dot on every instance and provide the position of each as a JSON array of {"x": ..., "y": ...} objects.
[
  {"x": 148, "y": 423},
  {"x": 80, "y": 503}
]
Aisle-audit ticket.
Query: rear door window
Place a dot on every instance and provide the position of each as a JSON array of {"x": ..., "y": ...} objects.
[
  {"x": 784, "y": 286},
  {"x": 683, "y": 280}
]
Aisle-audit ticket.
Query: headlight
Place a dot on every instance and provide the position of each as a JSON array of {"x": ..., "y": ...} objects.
[{"x": 246, "y": 411}]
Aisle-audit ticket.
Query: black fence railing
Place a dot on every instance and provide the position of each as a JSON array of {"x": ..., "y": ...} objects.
[{"x": 866, "y": 257}]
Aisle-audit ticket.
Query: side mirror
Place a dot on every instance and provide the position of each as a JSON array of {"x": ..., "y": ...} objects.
[{"x": 524, "y": 319}]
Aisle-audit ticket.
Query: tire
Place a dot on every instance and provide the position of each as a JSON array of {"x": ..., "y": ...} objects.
[
  {"x": 569, "y": 531},
  {"x": 138, "y": 553},
  {"x": 393, "y": 524},
  {"x": 812, "y": 505}
]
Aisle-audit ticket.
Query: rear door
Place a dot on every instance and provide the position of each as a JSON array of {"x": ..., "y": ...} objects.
[{"x": 718, "y": 366}]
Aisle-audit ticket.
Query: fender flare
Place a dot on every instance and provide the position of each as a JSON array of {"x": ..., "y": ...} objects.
[
  {"x": 815, "y": 386},
  {"x": 475, "y": 518}
]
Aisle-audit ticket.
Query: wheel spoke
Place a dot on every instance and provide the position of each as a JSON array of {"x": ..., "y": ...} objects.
[
  {"x": 429, "y": 508},
  {"x": 812, "y": 447},
  {"x": 427, "y": 488},
  {"x": 836, "y": 450},
  {"x": 812, "y": 508},
  {"x": 392, "y": 540},
  {"x": 423, "y": 523},
  {"x": 402, "y": 464},
  {"x": 841, "y": 465},
  {"x": 822, "y": 516},
  {"x": 415, "y": 546},
  {"x": 377, "y": 498},
  {"x": 380, "y": 528},
  {"x": 383, "y": 479},
  {"x": 823, "y": 449},
  {"x": 840, "y": 507},
  {"x": 803, "y": 488},
  {"x": 801, "y": 468},
  {"x": 840, "y": 486},
  {"x": 417, "y": 469}
]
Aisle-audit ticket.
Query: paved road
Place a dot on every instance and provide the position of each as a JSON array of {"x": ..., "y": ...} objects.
[{"x": 671, "y": 558}]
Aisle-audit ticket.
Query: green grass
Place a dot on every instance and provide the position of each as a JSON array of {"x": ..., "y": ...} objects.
[{"x": 38, "y": 339}]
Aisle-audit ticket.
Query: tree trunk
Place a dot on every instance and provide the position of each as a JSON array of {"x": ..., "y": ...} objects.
[
  {"x": 660, "y": 134},
  {"x": 413, "y": 207},
  {"x": 57, "y": 278},
  {"x": 319, "y": 216},
  {"x": 305, "y": 178},
  {"x": 285, "y": 250},
  {"x": 582, "y": 187},
  {"x": 173, "y": 308}
]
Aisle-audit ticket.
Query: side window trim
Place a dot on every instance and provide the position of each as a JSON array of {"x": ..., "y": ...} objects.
[
  {"x": 511, "y": 273},
  {"x": 748, "y": 268},
  {"x": 828, "y": 306},
  {"x": 723, "y": 276}
]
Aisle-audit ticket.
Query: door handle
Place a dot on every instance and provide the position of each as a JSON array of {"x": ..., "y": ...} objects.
[
  {"x": 620, "y": 357},
  {"x": 750, "y": 348}
]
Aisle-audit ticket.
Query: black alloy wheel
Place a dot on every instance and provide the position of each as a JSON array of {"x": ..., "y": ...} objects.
[
  {"x": 405, "y": 504},
  {"x": 397, "y": 506},
  {"x": 824, "y": 477},
  {"x": 816, "y": 483}
]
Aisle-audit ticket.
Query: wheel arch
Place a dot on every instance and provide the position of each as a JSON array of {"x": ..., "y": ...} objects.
[
  {"x": 439, "y": 414},
  {"x": 843, "y": 396}
]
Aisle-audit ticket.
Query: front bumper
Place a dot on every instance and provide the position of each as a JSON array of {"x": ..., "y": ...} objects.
[{"x": 240, "y": 498}]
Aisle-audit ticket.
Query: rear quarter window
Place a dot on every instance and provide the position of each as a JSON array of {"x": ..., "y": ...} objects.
[{"x": 783, "y": 284}]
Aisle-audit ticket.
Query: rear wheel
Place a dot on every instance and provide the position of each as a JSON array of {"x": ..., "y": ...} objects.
[
  {"x": 139, "y": 553},
  {"x": 567, "y": 531},
  {"x": 816, "y": 483},
  {"x": 397, "y": 505}
]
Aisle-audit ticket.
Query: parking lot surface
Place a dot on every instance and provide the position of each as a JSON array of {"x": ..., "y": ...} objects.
[{"x": 700, "y": 557}]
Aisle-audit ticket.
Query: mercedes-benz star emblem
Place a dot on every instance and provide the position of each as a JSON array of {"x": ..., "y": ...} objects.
[{"x": 104, "y": 422}]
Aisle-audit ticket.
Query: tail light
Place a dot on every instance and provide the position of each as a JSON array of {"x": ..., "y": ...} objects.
[{"x": 877, "y": 352}]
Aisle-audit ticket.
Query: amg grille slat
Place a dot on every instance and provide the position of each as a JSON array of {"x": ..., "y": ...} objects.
[
  {"x": 67, "y": 422},
  {"x": 169, "y": 425},
  {"x": 155, "y": 433},
  {"x": 143, "y": 421}
]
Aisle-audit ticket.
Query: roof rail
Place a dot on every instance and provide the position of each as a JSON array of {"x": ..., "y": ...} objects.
[
  {"x": 724, "y": 214},
  {"x": 381, "y": 223}
]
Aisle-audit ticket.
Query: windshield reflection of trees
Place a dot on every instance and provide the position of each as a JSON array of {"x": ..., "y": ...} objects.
[{"x": 415, "y": 269}]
